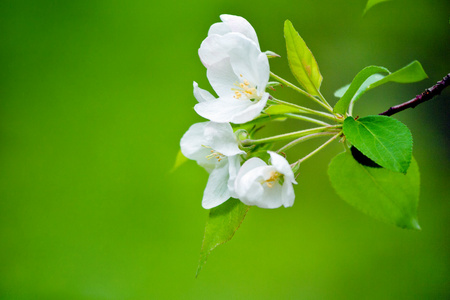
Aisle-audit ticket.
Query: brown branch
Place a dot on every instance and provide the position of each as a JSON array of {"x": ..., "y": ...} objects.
[{"x": 425, "y": 96}]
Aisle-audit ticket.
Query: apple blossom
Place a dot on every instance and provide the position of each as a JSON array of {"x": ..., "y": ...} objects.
[
  {"x": 266, "y": 186},
  {"x": 240, "y": 81},
  {"x": 220, "y": 42},
  {"x": 215, "y": 147}
]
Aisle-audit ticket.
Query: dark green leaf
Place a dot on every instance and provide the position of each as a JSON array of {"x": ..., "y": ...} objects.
[
  {"x": 371, "y": 3},
  {"x": 411, "y": 73},
  {"x": 385, "y": 140},
  {"x": 301, "y": 61},
  {"x": 179, "y": 160},
  {"x": 222, "y": 223},
  {"x": 408, "y": 74},
  {"x": 343, "y": 103},
  {"x": 385, "y": 195}
]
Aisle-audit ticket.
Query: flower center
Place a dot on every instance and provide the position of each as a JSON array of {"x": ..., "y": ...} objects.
[
  {"x": 273, "y": 179},
  {"x": 245, "y": 89},
  {"x": 214, "y": 154}
]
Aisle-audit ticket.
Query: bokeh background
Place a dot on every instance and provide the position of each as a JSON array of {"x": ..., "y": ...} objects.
[{"x": 94, "y": 98}]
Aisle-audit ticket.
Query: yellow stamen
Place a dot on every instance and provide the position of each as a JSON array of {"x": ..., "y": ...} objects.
[
  {"x": 273, "y": 179},
  {"x": 245, "y": 88}
]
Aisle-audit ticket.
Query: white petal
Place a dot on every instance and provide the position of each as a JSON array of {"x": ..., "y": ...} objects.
[
  {"x": 244, "y": 60},
  {"x": 281, "y": 165},
  {"x": 263, "y": 71},
  {"x": 202, "y": 95},
  {"x": 219, "y": 28},
  {"x": 251, "y": 112},
  {"x": 244, "y": 183},
  {"x": 287, "y": 194},
  {"x": 192, "y": 141},
  {"x": 217, "y": 47},
  {"x": 222, "y": 78},
  {"x": 222, "y": 110},
  {"x": 234, "y": 164},
  {"x": 222, "y": 139},
  {"x": 216, "y": 191},
  {"x": 271, "y": 198},
  {"x": 239, "y": 24}
]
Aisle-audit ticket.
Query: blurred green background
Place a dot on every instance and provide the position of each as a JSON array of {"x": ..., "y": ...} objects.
[{"x": 95, "y": 96}]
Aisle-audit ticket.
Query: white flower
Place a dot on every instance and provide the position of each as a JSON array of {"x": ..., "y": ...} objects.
[
  {"x": 266, "y": 186},
  {"x": 214, "y": 147},
  {"x": 239, "y": 80},
  {"x": 220, "y": 39}
]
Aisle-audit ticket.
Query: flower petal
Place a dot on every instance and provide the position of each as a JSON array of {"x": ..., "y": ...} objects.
[
  {"x": 245, "y": 183},
  {"x": 221, "y": 138},
  {"x": 192, "y": 141},
  {"x": 217, "y": 47},
  {"x": 251, "y": 112},
  {"x": 202, "y": 95},
  {"x": 223, "y": 110},
  {"x": 219, "y": 28},
  {"x": 234, "y": 164},
  {"x": 216, "y": 191},
  {"x": 287, "y": 194},
  {"x": 245, "y": 59},
  {"x": 222, "y": 78},
  {"x": 271, "y": 198},
  {"x": 281, "y": 165},
  {"x": 239, "y": 24},
  {"x": 263, "y": 71}
]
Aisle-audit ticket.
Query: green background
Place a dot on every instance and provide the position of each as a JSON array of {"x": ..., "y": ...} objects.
[{"x": 94, "y": 98}]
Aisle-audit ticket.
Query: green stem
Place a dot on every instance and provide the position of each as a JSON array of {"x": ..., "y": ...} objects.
[
  {"x": 303, "y": 139},
  {"x": 307, "y": 110},
  {"x": 296, "y": 88},
  {"x": 319, "y": 148},
  {"x": 268, "y": 118},
  {"x": 307, "y": 119},
  {"x": 330, "y": 109},
  {"x": 291, "y": 135}
]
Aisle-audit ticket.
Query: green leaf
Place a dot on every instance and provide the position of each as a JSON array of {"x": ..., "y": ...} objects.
[
  {"x": 408, "y": 74},
  {"x": 385, "y": 195},
  {"x": 411, "y": 73},
  {"x": 385, "y": 140},
  {"x": 281, "y": 109},
  {"x": 371, "y": 3},
  {"x": 222, "y": 223},
  {"x": 179, "y": 160},
  {"x": 362, "y": 89},
  {"x": 301, "y": 61},
  {"x": 343, "y": 103}
]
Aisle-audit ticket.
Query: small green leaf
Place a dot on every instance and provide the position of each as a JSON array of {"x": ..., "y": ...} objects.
[
  {"x": 371, "y": 3},
  {"x": 222, "y": 223},
  {"x": 281, "y": 109},
  {"x": 408, "y": 74},
  {"x": 385, "y": 195},
  {"x": 385, "y": 140},
  {"x": 301, "y": 61},
  {"x": 362, "y": 89},
  {"x": 411, "y": 73},
  {"x": 179, "y": 160},
  {"x": 343, "y": 103}
]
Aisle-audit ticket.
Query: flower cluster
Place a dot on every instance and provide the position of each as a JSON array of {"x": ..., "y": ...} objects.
[{"x": 238, "y": 72}]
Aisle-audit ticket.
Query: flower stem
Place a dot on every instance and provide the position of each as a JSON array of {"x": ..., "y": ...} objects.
[
  {"x": 322, "y": 102},
  {"x": 306, "y": 110},
  {"x": 301, "y": 160},
  {"x": 291, "y": 135},
  {"x": 307, "y": 119},
  {"x": 303, "y": 139}
]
